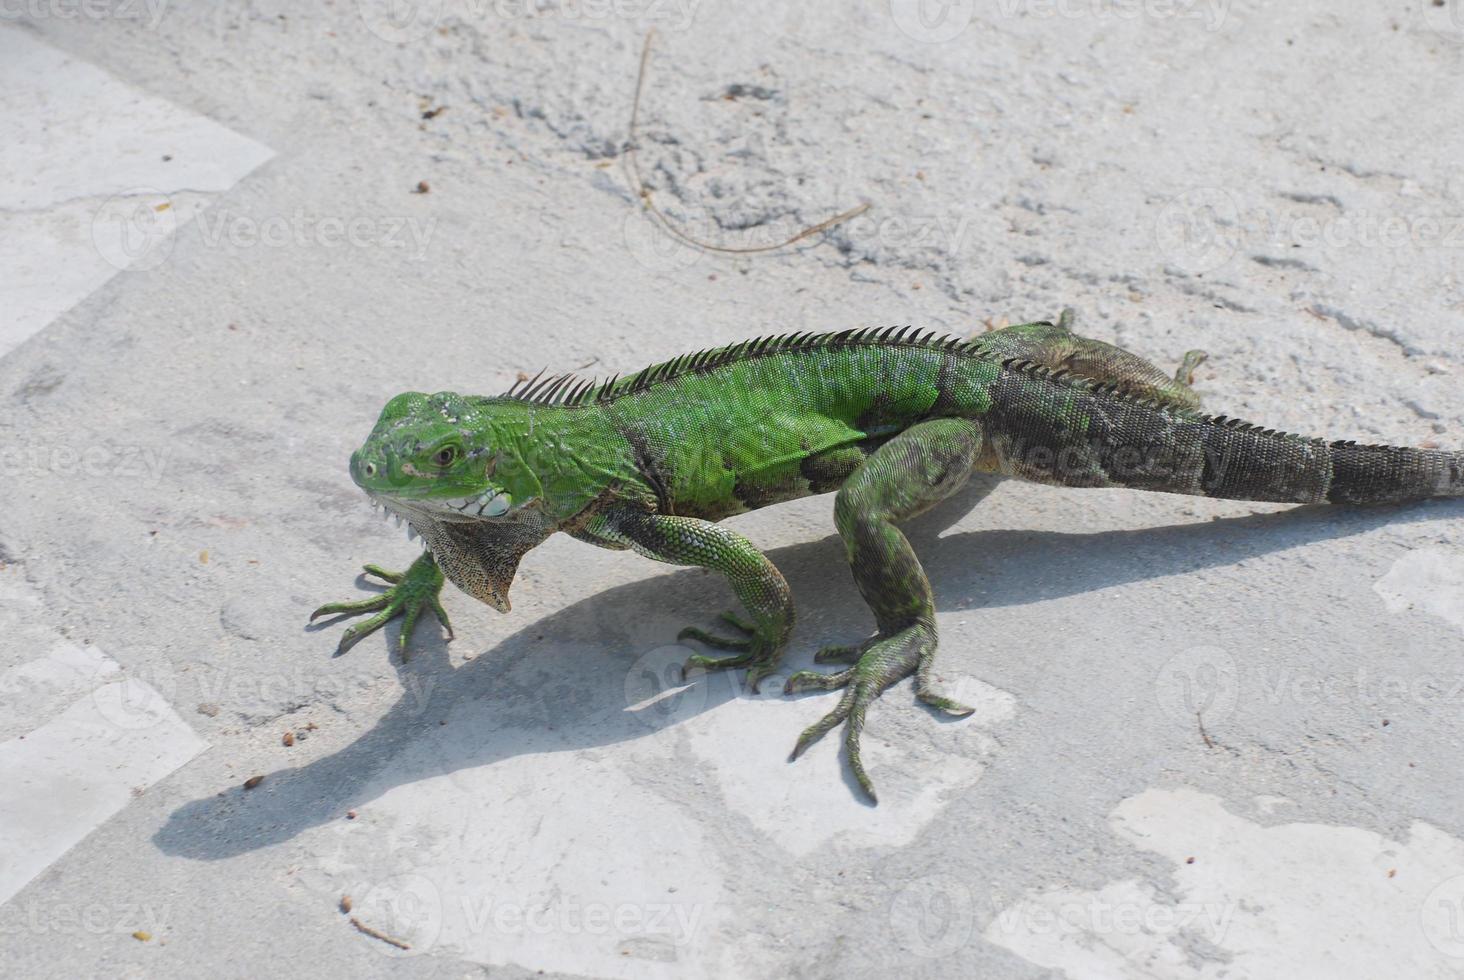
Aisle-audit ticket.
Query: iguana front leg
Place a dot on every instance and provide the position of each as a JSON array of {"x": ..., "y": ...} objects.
[
  {"x": 905, "y": 477},
  {"x": 410, "y": 593},
  {"x": 756, "y": 581}
]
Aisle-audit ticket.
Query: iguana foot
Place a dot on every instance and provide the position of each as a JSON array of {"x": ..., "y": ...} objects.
[
  {"x": 758, "y": 651},
  {"x": 409, "y": 594},
  {"x": 878, "y": 662},
  {"x": 1185, "y": 374}
]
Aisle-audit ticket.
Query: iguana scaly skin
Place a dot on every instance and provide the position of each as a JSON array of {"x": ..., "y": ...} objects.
[{"x": 892, "y": 420}]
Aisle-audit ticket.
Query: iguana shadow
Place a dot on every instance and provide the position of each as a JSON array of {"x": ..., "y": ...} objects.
[{"x": 590, "y": 674}]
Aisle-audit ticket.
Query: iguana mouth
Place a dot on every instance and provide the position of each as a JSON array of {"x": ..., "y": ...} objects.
[{"x": 491, "y": 503}]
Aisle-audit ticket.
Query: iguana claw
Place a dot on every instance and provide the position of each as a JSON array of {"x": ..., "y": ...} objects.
[
  {"x": 753, "y": 652},
  {"x": 410, "y": 592},
  {"x": 878, "y": 662}
]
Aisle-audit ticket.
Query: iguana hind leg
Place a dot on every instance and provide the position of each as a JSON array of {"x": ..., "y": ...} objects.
[
  {"x": 903, "y": 478},
  {"x": 1054, "y": 345},
  {"x": 756, "y": 581}
]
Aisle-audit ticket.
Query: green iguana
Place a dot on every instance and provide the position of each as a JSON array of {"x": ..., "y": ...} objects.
[{"x": 893, "y": 420}]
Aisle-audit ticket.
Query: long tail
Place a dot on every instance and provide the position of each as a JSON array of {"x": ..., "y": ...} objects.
[{"x": 1055, "y": 428}]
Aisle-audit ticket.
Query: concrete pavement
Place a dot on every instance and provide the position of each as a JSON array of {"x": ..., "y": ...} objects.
[{"x": 1212, "y": 739}]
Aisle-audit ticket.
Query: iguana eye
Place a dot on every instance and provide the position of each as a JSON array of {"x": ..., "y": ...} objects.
[{"x": 445, "y": 456}]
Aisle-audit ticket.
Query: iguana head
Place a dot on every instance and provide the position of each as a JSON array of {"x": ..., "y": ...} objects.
[
  {"x": 438, "y": 461},
  {"x": 437, "y": 457}
]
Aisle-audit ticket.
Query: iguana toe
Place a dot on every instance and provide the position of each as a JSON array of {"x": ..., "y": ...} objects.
[
  {"x": 738, "y": 623},
  {"x": 758, "y": 661},
  {"x": 758, "y": 650},
  {"x": 878, "y": 662},
  {"x": 848, "y": 654},
  {"x": 715, "y": 642},
  {"x": 409, "y": 594}
]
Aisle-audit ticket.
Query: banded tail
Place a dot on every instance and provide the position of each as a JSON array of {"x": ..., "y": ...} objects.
[
  {"x": 1055, "y": 428},
  {"x": 1272, "y": 466}
]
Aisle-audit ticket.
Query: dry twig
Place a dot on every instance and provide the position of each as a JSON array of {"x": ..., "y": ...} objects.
[
  {"x": 374, "y": 934},
  {"x": 1209, "y": 742},
  {"x": 644, "y": 193}
]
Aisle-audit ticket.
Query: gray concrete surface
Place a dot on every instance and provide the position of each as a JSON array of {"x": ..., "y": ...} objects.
[{"x": 1277, "y": 183}]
